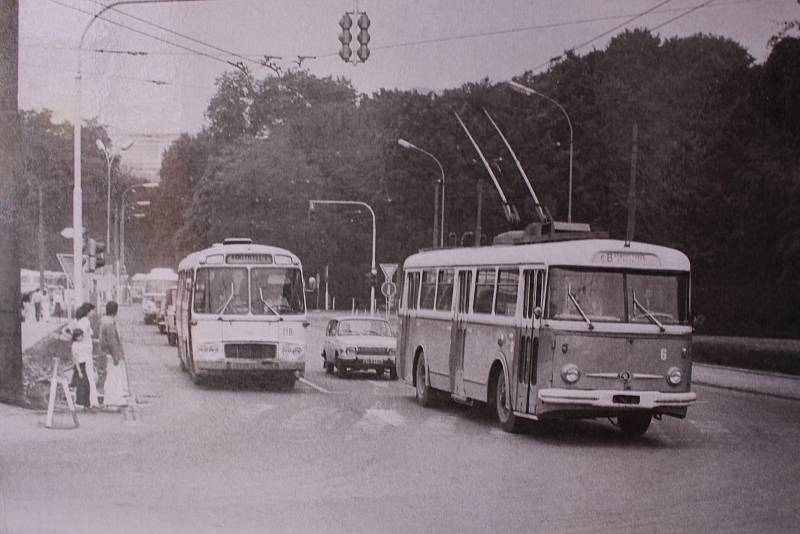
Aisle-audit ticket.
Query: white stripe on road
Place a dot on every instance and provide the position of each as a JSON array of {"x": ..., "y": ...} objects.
[
  {"x": 378, "y": 384},
  {"x": 313, "y": 385}
]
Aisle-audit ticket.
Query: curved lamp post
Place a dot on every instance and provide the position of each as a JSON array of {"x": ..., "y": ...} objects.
[
  {"x": 405, "y": 144},
  {"x": 524, "y": 89}
]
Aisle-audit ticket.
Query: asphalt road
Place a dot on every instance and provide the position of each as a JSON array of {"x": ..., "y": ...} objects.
[{"x": 361, "y": 456}]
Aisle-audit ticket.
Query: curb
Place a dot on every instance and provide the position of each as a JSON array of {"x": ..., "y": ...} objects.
[{"x": 747, "y": 381}]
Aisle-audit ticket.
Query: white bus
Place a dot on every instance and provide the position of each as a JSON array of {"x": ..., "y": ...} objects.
[
  {"x": 580, "y": 328},
  {"x": 241, "y": 309},
  {"x": 156, "y": 284}
]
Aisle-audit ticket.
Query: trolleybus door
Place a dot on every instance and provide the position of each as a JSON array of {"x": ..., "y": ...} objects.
[
  {"x": 459, "y": 332},
  {"x": 528, "y": 335}
]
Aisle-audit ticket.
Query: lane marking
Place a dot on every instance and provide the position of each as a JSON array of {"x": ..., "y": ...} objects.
[
  {"x": 378, "y": 384},
  {"x": 313, "y": 385}
]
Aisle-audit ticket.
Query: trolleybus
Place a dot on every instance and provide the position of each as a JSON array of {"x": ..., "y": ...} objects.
[
  {"x": 241, "y": 310},
  {"x": 560, "y": 328}
]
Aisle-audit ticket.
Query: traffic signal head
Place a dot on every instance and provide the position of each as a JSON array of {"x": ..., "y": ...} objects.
[
  {"x": 371, "y": 279},
  {"x": 363, "y": 37},
  {"x": 345, "y": 37},
  {"x": 99, "y": 254},
  {"x": 91, "y": 251}
]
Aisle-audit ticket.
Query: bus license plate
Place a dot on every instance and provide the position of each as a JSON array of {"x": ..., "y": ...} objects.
[{"x": 625, "y": 399}]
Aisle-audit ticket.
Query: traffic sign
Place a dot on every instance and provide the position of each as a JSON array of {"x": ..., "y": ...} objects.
[
  {"x": 388, "y": 270},
  {"x": 388, "y": 289}
]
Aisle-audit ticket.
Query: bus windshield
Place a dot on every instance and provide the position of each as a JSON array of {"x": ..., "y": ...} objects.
[
  {"x": 618, "y": 296},
  {"x": 221, "y": 290},
  {"x": 157, "y": 286},
  {"x": 276, "y": 291}
]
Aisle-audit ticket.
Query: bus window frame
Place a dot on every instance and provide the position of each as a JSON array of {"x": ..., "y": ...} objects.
[
  {"x": 475, "y": 290},
  {"x": 515, "y": 270},
  {"x": 422, "y": 284},
  {"x": 439, "y": 273}
]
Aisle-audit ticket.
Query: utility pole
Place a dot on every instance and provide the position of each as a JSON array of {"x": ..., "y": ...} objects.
[
  {"x": 41, "y": 238},
  {"x": 10, "y": 176},
  {"x": 478, "y": 228},
  {"x": 632, "y": 189}
]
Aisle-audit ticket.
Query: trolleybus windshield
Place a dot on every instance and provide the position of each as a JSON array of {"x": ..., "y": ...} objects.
[{"x": 608, "y": 296}]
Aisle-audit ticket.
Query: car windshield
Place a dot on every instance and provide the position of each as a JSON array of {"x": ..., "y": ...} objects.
[
  {"x": 276, "y": 290},
  {"x": 608, "y": 296},
  {"x": 364, "y": 327}
]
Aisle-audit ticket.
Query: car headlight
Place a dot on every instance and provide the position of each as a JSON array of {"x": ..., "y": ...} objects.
[
  {"x": 292, "y": 351},
  {"x": 674, "y": 376},
  {"x": 208, "y": 348},
  {"x": 570, "y": 373},
  {"x": 351, "y": 351}
]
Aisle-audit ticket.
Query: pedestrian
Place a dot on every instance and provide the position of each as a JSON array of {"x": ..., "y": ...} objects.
[
  {"x": 115, "y": 389},
  {"x": 46, "y": 306},
  {"x": 85, "y": 325},
  {"x": 37, "y": 304},
  {"x": 58, "y": 303},
  {"x": 82, "y": 358}
]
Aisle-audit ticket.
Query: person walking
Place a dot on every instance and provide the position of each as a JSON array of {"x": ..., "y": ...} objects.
[
  {"x": 85, "y": 326},
  {"x": 82, "y": 358},
  {"x": 115, "y": 389},
  {"x": 37, "y": 304}
]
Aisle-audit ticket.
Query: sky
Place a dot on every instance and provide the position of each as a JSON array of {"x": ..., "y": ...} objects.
[{"x": 147, "y": 85}]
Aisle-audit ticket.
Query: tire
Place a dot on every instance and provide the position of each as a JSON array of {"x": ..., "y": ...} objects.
[
  {"x": 505, "y": 413},
  {"x": 379, "y": 372},
  {"x": 341, "y": 370},
  {"x": 423, "y": 392},
  {"x": 172, "y": 339},
  {"x": 634, "y": 425},
  {"x": 393, "y": 373},
  {"x": 162, "y": 330}
]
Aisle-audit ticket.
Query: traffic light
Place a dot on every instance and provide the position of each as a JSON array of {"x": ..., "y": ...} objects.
[
  {"x": 363, "y": 37},
  {"x": 345, "y": 37},
  {"x": 99, "y": 254},
  {"x": 371, "y": 279},
  {"x": 92, "y": 253}
]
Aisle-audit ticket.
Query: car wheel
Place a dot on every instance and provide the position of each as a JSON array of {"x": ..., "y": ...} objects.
[
  {"x": 423, "y": 392},
  {"x": 505, "y": 414},
  {"x": 379, "y": 372},
  {"x": 634, "y": 425},
  {"x": 341, "y": 370}
]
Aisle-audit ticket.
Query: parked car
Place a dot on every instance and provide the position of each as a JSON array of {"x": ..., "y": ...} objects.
[
  {"x": 359, "y": 343},
  {"x": 170, "y": 317},
  {"x": 163, "y": 310}
]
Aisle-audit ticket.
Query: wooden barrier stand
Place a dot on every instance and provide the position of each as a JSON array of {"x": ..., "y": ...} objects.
[{"x": 55, "y": 382}]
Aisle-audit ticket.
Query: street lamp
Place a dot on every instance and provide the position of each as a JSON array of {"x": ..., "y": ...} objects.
[
  {"x": 405, "y": 144},
  {"x": 77, "y": 192},
  {"x": 121, "y": 256},
  {"x": 373, "y": 271},
  {"x": 109, "y": 159},
  {"x": 524, "y": 89}
]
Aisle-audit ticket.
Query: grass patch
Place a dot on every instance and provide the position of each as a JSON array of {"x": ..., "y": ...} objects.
[
  {"x": 37, "y": 367},
  {"x": 744, "y": 353}
]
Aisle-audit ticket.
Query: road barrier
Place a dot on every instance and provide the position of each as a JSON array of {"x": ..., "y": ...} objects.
[{"x": 55, "y": 382}]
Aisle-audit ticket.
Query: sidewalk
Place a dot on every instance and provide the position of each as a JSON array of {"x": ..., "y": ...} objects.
[{"x": 759, "y": 382}]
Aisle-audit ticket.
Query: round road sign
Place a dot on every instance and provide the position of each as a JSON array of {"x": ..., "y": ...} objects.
[{"x": 388, "y": 289}]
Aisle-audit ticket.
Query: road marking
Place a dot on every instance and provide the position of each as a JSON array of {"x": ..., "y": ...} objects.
[
  {"x": 313, "y": 385},
  {"x": 377, "y": 384}
]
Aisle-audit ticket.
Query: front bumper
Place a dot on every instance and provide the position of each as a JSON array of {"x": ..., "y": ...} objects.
[
  {"x": 250, "y": 366},
  {"x": 368, "y": 362},
  {"x": 605, "y": 398}
]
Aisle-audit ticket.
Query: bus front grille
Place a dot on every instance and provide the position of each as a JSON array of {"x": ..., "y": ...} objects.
[{"x": 250, "y": 351}]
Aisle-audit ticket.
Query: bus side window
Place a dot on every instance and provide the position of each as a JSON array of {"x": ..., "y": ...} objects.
[
  {"x": 507, "y": 288},
  {"x": 200, "y": 292},
  {"x": 529, "y": 293},
  {"x": 539, "y": 289},
  {"x": 444, "y": 293},
  {"x": 428, "y": 296},
  {"x": 484, "y": 291},
  {"x": 412, "y": 290}
]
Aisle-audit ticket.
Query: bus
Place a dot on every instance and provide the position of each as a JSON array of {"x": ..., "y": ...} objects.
[
  {"x": 241, "y": 310},
  {"x": 156, "y": 284},
  {"x": 136, "y": 286},
  {"x": 551, "y": 327}
]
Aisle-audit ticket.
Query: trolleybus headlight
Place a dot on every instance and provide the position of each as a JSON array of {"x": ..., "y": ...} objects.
[
  {"x": 674, "y": 376},
  {"x": 570, "y": 373}
]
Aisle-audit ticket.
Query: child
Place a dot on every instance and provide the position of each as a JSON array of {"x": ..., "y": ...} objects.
[{"x": 82, "y": 358}]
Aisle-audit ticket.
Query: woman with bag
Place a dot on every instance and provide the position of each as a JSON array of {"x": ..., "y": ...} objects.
[{"x": 116, "y": 384}]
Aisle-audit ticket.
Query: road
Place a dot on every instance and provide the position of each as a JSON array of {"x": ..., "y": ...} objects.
[{"x": 363, "y": 457}]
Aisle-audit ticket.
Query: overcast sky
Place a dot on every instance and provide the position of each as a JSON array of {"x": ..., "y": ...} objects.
[{"x": 432, "y": 44}]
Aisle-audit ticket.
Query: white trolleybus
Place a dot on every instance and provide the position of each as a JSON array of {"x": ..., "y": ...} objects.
[
  {"x": 554, "y": 326},
  {"x": 241, "y": 310}
]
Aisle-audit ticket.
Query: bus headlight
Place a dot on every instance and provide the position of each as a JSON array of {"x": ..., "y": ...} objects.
[
  {"x": 351, "y": 351},
  {"x": 674, "y": 376},
  {"x": 292, "y": 351},
  {"x": 570, "y": 373}
]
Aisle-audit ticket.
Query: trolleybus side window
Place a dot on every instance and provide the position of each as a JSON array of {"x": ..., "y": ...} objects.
[
  {"x": 534, "y": 285},
  {"x": 428, "y": 296},
  {"x": 221, "y": 290},
  {"x": 484, "y": 290},
  {"x": 412, "y": 291},
  {"x": 444, "y": 293},
  {"x": 507, "y": 287}
]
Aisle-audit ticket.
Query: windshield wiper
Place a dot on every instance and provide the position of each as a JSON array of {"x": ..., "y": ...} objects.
[
  {"x": 266, "y": 304},
  {"x": 227, "y": 302},
  {"x": 648, "y": 314},
  {"x": 571, "y": 296}
]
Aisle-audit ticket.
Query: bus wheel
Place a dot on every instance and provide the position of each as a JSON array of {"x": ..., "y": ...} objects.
[
  {"x": 423, "y": 391},
  {"x": 505, "y": 414},
  {"x": 341, "y": 370},
  {"x": 634, "y": 424}
]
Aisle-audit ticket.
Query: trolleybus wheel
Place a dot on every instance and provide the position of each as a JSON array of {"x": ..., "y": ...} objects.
[
  {"x": 423, "y": 391},
  {"x": 505, "y": 413},
  {"x": 634, "y": 424}
]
